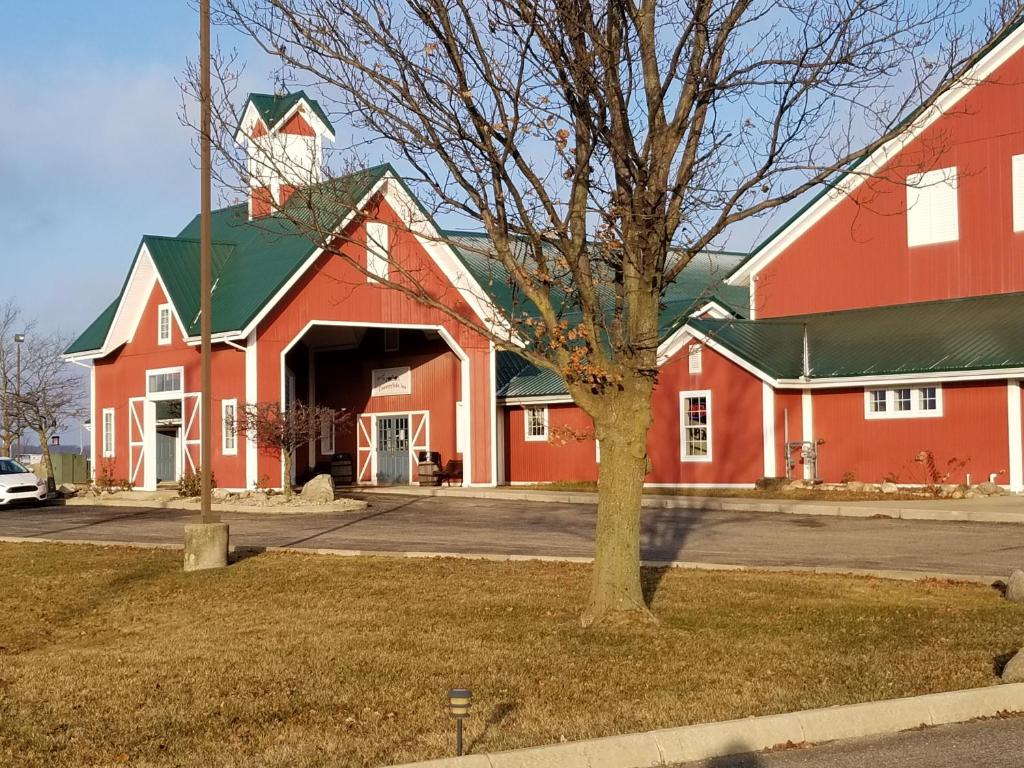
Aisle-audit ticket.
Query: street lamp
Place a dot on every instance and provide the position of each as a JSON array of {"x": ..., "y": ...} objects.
[
  {"x": 459, "y": 701},
  {"x": 19, "y": 339}
]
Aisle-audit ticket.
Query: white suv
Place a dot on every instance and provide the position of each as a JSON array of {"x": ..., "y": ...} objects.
[{"x": 18, "y": 484}]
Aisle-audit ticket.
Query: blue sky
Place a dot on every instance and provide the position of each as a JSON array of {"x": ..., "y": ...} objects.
[{"x": 92, "y": 154}]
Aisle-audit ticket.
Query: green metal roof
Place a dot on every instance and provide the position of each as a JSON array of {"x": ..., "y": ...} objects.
[
  {"x": 977, "y": 333},
  {"x": 252, "y": 260},
  {"x": 273, "y": 108}
]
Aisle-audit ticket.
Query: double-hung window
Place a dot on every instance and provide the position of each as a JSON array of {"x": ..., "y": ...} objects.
[
  {"x": 695, "y": 425},
  {"x": 163, "y": 324},
  {"x": 535, "y": 420},
  {"x": 903, "y": 402},
  {"x": 108, "y": 433},
  {"x": 229, "y": 422}
]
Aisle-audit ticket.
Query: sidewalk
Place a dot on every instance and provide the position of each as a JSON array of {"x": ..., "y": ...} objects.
[{"x": 993, "y": 509}]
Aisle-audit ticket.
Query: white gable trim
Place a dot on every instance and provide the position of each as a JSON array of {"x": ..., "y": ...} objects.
[
  {"x": 252, "y": 115},
  {"x": 671, "y": 346},
  {"x": 819, "y": 208},
  {"x": 137, "y": 291}
]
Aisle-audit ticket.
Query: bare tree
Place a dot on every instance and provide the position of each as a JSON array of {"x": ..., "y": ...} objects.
[
  {"x": 279, "y": 432},
  {"x": 601, "y": 147},
  {"x": 52, "y": 392},
  {"x": 11, "y": 323}
]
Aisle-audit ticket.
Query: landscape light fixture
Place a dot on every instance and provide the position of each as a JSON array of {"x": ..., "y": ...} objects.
[{"x": 459, "y": 701}]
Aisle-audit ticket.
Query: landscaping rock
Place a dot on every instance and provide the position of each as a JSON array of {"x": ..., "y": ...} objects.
[
  {"x": 67, "y": 490},
  {"x": 1013, "y": 672},
  {"x": 259, "y": 498},
  {"x": 319, "y": 490},
  {"x": 889, "y": 488},
  {"x": 219, "y": 494},
  {"x": 1015, "y": 587},
  {"x": 987, "y": 489},
  {"x": 797, "y": 485},
  {"x": 855, "y": 486},
  {"x": 959, "y": 492}
]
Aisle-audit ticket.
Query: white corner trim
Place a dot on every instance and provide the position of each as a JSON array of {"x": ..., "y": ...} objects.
[
  {"x": 807, "y": 425},
  {"x": 251, "y": 398},
  {"x": 768, "y": 428},
  {"x": 1016, "y": 440},
  {"x": 780, "y": 241}
]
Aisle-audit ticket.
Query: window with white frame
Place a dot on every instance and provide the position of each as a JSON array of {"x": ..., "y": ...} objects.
[
  {"x": 164, "y": 382},
  {"x": 163, "y": 324},
  {"x": 903, "y": 402},
  {"x": 695, "y": 425},
  {"x": 696, "y": 359},
  {"x": 932, "y": 215},
  {"x": 535, "y": 421},
  {"x": 1017, "y": 191},
  {"x": 377, "y": 250},
  {"x": 229, "y": 424},
  {"x": 327, "y": 434},
  {"x": 108, "y": 433}
]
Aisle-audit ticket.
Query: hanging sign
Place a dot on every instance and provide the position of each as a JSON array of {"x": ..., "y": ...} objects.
[{"x": 391, "y": 381}]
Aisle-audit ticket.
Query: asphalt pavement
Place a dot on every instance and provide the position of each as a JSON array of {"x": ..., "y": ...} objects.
[
  {"x": 981, "y": 744},
  {"x": 474, "y": 526}
]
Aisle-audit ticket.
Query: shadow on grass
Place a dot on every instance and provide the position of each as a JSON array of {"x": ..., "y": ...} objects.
[
  {"x": 238, "y": 554},
  {"x": 999, "y": 662},
  {"x": 496, "y": 718}
]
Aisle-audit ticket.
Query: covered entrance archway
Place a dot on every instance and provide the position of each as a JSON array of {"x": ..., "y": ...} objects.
[{"x": 404, "y": 389}]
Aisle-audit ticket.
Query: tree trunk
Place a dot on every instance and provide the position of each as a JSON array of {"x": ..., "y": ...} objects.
[
  {"x": 51, "y": 481},
  {"x": 616, "y": 590},
  {"x": 287, "y": 481}
]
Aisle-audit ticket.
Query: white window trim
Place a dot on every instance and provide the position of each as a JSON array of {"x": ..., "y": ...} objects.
[
  {"x": 923, "y": 228},
  {"x": 171, "y": 394},
  {"x": 1017, "y": 191},
  {"x": 327, "y": 436},
  {"x": 526, "y": 423},
  {"x": 378, "y": 251},
  {"x": 915, "y": 412},
  {"x": 109, "y": 451},
  {"x": 229, "y": 437},
  {"x": 683, "y": 456},
  {"x": 695, "y": 359},
  {"x": 160, "y": 338}
]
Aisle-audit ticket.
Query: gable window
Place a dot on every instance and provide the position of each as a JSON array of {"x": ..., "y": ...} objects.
[
  {"x": 228, "y": 420},
  {"x": 327, "y": 434},
  {"x": 108, "y": 433},
  {"x": 903, "y": 402},
  {"x": 696, "y": 359},
  {"x": 932, "y": 215},
  {"x": 377, "y": 250},
  {"x": 163, "y": 322},
  {"x": 535, "y": 419},
  {"x": 695, "y": 425}
]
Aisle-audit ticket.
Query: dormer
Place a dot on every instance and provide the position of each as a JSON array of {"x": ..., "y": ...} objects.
[{"x": 283, "y": 137}]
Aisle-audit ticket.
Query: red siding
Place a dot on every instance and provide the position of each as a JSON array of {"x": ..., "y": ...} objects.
[
  {"x": 973, "y": 429},
  {"x": 122, "y": 375},
  {"x": 334, "y": 290},
  {"x": 561, "y": 458},
  {"x": 861, "y": 245},
  {"x": 297, "y": 125},
  {"x": 736, "y": 423}
]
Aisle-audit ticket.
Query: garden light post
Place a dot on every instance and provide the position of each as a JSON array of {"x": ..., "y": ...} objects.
[
  {"x": 459, "y": 701},
  {"x": 19, "y": 339}
]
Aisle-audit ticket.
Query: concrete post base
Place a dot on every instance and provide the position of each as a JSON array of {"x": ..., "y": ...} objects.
[{"x": 206, "y": 546}]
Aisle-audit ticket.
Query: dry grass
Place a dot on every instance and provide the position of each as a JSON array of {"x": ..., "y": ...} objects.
[
  {"x": 114, "y": 656},
  {"x": 805, "y": 494}
]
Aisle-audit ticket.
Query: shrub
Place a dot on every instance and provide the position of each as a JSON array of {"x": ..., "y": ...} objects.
[{"x": 191, "y": 484}]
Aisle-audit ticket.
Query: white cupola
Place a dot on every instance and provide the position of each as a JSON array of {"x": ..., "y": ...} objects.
[{"x": 283, "y": 138}]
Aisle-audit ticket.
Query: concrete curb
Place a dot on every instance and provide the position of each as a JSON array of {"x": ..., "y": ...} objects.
[
  {"x": 192, "y": 505},
  {"x": 720, "y": 504},
  {"x": 732, "y": 737},
  {"x": 890, "y": 575}
]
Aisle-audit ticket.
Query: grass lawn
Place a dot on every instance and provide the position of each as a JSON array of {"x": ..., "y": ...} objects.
[{"x": 113, "y": 656}]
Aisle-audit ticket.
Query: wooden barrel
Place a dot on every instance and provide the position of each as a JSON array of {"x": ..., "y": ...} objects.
[{"x": 341, "y": 469}]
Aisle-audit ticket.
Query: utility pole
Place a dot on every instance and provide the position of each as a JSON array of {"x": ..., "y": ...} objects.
[{"x": 206, "y": 544}]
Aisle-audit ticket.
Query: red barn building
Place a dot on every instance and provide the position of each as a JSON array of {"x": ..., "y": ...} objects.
[{"x": 874, "y": 336}]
